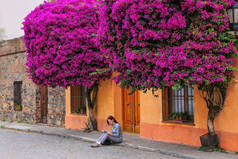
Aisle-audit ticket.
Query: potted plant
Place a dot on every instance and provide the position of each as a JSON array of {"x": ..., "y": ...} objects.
[
  {"x": 81, "y": 109},
  {"x": 172, "y": 116},
  {"x": 185, "y": 116},
  {"x": 180, "y": 116},
  {"x": 18, "y": 107}
]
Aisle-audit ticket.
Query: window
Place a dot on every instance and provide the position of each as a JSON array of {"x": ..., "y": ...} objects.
[
  {"x": 178, "y": 104},
  {"x": 78, "y": 99},
  {"x": 18, "y": 95}
]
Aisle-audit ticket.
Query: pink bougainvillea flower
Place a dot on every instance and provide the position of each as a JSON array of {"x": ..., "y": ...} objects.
[
  {"x": 157, "y": 43},
  {"x": 60, "y": 38}
]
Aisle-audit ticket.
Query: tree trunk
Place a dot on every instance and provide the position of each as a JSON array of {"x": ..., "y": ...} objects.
[
  {"x": 214, "y": 95},
  {"x": 91, "y": 99},
  {"x": 92, "y": 122},
  {"x": 210, "y": 123}
]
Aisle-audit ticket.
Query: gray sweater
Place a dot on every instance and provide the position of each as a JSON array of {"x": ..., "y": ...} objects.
[{"x": 116, "y": 130}]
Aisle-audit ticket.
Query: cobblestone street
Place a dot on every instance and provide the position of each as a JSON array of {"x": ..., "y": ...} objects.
[
  {"x": 118, "y": 79},
  {"x": 21, "y": 145}
]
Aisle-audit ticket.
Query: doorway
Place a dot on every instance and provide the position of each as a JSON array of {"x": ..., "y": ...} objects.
[
  {"x": 43, "y": 103},
  {"x": 131, "y": 111}
]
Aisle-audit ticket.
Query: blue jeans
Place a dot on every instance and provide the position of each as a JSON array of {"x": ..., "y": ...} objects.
[{"x": 106, "y": 139}]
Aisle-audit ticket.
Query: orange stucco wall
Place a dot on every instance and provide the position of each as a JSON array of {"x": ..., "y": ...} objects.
[
  {"x": 226, "y": 125},
  {"x": 109, "y": 102}
]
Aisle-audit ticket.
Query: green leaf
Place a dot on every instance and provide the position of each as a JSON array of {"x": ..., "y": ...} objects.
[
  {"x": 206, "y": 82},
  {"x": 174, "y": 87}
]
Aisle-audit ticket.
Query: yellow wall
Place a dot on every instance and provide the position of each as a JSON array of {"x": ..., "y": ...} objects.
[
  {"x": 117, "y": 98},
  {"x": 105, "y": 100},
  {"x": 73, "y": 121},
  {"x": 151, "y": 111},
  {"x": 226, "y": 125},
  {"x": 109, "y": 102}
]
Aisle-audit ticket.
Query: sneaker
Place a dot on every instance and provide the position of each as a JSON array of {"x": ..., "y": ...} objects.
[{"x": 95, "y": 145}]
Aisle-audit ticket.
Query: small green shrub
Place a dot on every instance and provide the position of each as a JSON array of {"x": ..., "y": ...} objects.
[
  {"x": 19, "y": 121},
  {"x": 211, "y": 149},
  {"x": 18, "y": 107},
  {"x": 28, "y": 122},
  {"x": 3, "y": 127}
]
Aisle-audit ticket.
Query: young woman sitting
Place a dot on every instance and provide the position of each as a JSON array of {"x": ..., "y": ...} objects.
[{"x": 108, "y": 138}]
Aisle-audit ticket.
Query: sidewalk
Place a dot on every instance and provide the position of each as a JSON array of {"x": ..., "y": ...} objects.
[{"x": 133, "y": 141}]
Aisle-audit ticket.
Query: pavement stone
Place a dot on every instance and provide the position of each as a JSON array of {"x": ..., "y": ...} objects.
[
  {"x": 24, "y": 145},
  {"x": 129, "y": 140}
]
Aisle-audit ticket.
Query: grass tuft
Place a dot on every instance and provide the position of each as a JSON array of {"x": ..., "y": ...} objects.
[
  {"x": 28, "y": 122},
  {"x": 19, "y": 121},
  {"x": 211, "y": 149},
  {"x": 3, "y": 127}
]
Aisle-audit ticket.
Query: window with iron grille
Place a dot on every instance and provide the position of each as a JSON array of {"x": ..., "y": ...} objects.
[
  {"x": 78, "y": 99},
  {"x": 17, "y": 95},
  {"x": 178, "y": 104}
]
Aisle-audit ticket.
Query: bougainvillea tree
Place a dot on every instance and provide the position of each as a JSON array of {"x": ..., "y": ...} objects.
[
  {"x": 60, "y": 39},
  {"x": 160, "y": 43}
]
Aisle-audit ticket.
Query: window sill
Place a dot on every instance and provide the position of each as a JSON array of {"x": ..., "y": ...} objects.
[
  {"x": 78, "y": 114},
  {"x": 18, "y": 110},
  {"x": 179, "y": 122}
]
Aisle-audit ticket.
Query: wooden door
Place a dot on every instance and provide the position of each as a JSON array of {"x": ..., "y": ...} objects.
[
  {"x": 131, "y": 111},
  {"x": 44, "y": 103}
]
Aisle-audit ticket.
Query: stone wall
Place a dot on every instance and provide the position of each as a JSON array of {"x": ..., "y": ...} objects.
[
  {"x": 12, "y": 68},
  {"x": 56, "y": 106},
  {"x": 12, "y": 60}
]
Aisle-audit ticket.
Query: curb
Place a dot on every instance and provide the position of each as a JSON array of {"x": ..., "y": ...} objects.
[
  {"x": 86, "y": 139},
  {"x": 173, "y": 154}
]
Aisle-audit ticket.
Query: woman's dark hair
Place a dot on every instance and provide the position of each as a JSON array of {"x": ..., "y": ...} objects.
[{"x": 110, "y": 117}]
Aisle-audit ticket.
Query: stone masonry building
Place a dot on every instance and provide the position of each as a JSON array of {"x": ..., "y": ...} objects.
[{"x": 20, "y": 99}]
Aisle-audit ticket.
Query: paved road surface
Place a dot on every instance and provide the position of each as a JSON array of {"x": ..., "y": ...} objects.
[{"x": 21, "y": 145}]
